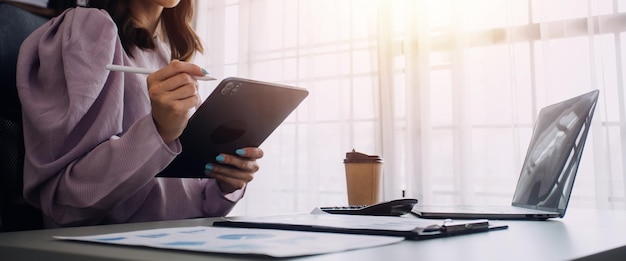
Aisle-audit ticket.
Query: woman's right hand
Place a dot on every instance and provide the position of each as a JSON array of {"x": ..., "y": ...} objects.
[{"x": 173, "y": 92}]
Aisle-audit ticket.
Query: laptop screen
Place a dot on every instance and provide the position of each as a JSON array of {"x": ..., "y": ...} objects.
[{"x": 554, "y": 153}]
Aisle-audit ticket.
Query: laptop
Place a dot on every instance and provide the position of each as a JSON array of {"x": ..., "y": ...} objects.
[
  {"x": 238, "y": 113},
  {"x": 547, "y": 176}
]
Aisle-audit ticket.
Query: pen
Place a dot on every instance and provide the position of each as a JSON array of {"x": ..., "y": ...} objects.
[{"x": 122, "y": 68}]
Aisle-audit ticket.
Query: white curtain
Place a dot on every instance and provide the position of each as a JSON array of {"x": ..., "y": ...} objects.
[{"x": 446, "y": 91}]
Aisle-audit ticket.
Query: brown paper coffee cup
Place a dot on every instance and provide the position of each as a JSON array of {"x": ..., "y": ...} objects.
[{"x": 364, "y": 178}]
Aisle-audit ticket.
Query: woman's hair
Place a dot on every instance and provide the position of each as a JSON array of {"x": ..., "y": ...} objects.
[{"x": 175, "y": 23}]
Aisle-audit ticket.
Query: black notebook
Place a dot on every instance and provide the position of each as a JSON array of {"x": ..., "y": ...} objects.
[
  {"x": 408, "y": 227},
  {"x": 238, "y": 113}
]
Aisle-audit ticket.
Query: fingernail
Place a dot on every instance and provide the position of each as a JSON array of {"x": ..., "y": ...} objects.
[
  {"x": 208, "y": 167},
  {"x": 219, "y": 158},
  {"x": 205, "y": 71},
  {"x": 240, "y": 152}
]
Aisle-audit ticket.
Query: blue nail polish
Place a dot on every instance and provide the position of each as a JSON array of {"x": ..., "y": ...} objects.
[
  {"x": 240, "y": 152},
  {"x": 204, "y": 71},
  {"x": 208, "y": 167},
  {"x": 219, "y": 158}
]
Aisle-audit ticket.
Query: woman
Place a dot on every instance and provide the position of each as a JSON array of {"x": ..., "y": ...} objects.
[{"x": 95, "y": 139}]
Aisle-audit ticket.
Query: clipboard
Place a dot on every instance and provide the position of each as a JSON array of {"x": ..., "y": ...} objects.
[{"x": 410, "y": 228}]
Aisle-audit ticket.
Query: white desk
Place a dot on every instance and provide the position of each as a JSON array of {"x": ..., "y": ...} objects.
[{"x": 585, "y": 234}]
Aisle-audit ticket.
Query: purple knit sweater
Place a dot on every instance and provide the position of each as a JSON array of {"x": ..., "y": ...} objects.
[{"x": 92, "y": 149}]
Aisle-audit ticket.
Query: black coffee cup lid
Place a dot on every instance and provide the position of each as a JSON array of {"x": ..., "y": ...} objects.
[{"x": 357, "y": 157}]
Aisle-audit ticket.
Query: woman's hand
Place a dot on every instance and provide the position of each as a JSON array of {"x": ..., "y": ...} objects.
[
  {"x": 234, "y": 172},
  {"x": 173, "y": 92}
]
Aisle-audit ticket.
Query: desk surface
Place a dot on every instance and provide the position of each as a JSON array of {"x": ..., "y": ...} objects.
[{"x": 587, "y": 234}]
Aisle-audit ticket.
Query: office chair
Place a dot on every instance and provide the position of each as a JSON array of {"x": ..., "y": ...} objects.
[{"x": 15, "y": 214}]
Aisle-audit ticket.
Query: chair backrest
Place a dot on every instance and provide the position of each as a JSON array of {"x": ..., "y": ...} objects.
[{"x": 15, "y": 214}]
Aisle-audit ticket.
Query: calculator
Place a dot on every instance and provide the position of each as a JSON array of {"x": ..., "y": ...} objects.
[{"x": 396, "y": 207}]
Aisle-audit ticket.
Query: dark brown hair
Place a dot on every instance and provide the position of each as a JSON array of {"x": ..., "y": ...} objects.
[{"x": 175, "y": 23}]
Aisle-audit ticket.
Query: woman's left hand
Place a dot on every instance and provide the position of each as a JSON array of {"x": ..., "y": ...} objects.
[{"x": 234, "y": 171}]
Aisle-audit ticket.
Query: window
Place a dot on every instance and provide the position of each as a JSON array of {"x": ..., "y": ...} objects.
[{"x": 446, "y": 91}]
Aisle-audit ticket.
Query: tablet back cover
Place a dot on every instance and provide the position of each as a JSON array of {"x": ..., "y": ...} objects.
[{"x": 239, "y": 113}]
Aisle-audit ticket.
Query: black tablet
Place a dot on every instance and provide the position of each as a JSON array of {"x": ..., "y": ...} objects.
[{"x": 239, "y": 113}]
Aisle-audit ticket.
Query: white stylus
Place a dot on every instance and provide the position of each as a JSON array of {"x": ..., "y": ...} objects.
[{"x": 122, "y": 68}]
